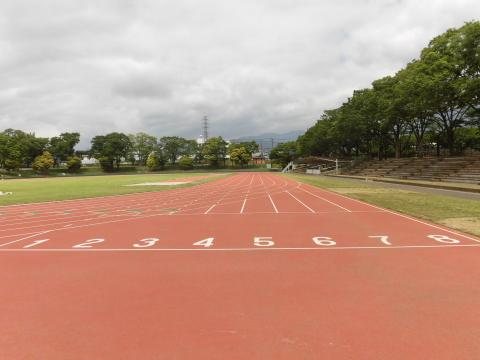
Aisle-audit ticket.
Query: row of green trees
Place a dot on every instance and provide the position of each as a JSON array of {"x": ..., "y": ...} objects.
[
  {"x": 434, "y": 102},
  {"x": 19, "y": 149},
  {"x": 147, "y": 150}
]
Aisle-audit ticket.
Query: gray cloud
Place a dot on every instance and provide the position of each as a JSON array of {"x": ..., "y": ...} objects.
[{"x": 158, "y": 66}]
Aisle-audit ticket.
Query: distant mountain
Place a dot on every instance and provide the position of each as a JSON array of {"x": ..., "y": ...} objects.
[
  {"x": 268, "y": 141},
  {"x": 288, "y": 136}
]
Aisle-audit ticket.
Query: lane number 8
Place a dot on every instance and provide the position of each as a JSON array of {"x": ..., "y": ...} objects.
[{"x": 443, "y": 239}]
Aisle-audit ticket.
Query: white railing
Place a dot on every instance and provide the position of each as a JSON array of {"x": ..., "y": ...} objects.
[{"x": 288, "y": 168}]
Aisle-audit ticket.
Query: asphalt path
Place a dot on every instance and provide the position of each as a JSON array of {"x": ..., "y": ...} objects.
[{"x": 422, "y": 189}]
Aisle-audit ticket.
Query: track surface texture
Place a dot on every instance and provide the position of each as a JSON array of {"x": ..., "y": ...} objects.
[{"x": 250, "y": 266}]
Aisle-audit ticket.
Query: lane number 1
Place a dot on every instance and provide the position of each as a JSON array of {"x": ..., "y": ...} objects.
[{"x": 35, "y": 243}]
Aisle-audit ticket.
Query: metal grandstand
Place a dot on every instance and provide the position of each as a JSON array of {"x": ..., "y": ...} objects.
[{"x": 318, "y": 166}]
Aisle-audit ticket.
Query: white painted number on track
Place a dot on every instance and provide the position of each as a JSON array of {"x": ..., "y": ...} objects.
[
  {"x": 263, "y": 241},
  {"x": 88, "y": 244},
  {"x": 144, "y": 243},
  {"x": 258, "y": 241},
  {"x": 205, "y": 242},
  {"x": 444, "y": 239},
  {"x": 35, "y": 243},
  {"x": 323, "y": 241},
  {"x": 383, "y": 239}
]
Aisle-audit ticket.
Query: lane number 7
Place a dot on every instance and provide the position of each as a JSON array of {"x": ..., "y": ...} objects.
[{"x": 383, "y": 239}]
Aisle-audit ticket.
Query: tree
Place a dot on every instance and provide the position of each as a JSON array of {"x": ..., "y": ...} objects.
[
  {"x": 435, "y": 97},
  {"x": 250, "y": 146},
  {"x": 10, "y": 153},
  {"x": 43, "y": 163},
  {"x": 318, "y": 140},
  {"x": 174, "y": 146},
  {"x": 153, "y": 161},
  {"x": 413, "y": 88},
  {"x": 452, "y": 68},
  {"x": 106, "y": 163},
  {"x": 142, "y": 145},
  {"x": 18, "y": 148},
  {"x": 74, "y": 163},
  {"x": 241, "y": 152},
  {"x": 110, "y": 149},
  {"x": 185, "y": 163},
  {"x": 284, "y": 153},
  {"x": 62, "y": 147},
  {"x": 239, "y": 155},
  {"x": 191, "y": 148},
  {"x": 362, "y": 119},
  {"x": 215, "y": 150},
  {"x": 391, "y": 110}
]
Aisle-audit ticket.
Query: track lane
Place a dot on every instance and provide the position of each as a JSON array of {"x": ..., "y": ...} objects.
[{"x": 242, "y": 297}]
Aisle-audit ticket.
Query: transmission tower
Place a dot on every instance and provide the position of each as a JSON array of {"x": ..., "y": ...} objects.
[{"x": 205, "y": 129}]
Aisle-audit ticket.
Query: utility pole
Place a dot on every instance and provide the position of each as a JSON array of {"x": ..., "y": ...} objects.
[{"x": 205, "y": 129}]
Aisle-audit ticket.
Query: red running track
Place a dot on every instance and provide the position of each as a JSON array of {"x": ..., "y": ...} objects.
[{"x": 251, "y": 266}]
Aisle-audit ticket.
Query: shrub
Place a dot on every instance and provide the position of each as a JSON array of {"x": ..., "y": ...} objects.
[
  {"x": 74, "y": 164},
  {"x": 153, "y": 162},
  {"x": 185, "y": 163},
  {"x": 12, "y": 164},
  {"x": 43, "y": 163},
  {"x": 106, "y": 163}
]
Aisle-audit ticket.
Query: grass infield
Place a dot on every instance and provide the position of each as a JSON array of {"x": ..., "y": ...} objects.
[
  {"x": 48, "y": 189},
  {"x": 461, "y": 214},
  {"x": 456, "y": 213}
]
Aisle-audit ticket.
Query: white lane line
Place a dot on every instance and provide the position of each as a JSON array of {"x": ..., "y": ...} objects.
[
  {"x": 16, "y": 235},
  {"x": 401, "y": 215},
  {"x": 273, "y": 204},
  {"x": 243, "y": 205},
  {"x": 101, "y": 223},
  {"x": 107, "y": 197},
  {"x": 330, "y": 202},
  {"x": 153, "y": 197},
  {"x": 252, "y": 249},
  {"x": 249, "y": 187},
  {"x": 25, "y": 238},
  {"x": 309, "y": 208},
  {"x": 210, "y": 209},
  {"x": 196, "y": 199}
]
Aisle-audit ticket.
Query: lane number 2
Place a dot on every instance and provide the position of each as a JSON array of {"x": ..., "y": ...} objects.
[{"x": 88, "y": 244}]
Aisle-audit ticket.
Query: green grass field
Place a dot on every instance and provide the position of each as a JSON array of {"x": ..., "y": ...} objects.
[
  {"x": 457, "y": 213},
  {"x": 48, "y": 189},
  {"x": 461, "y": 214}
]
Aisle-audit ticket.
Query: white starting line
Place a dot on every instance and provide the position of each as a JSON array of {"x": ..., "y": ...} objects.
[{"x": 245, "y": 249}]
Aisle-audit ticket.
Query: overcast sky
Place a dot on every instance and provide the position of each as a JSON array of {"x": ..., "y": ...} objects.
[{"x": 252, "y": 66}]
